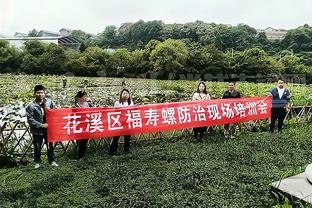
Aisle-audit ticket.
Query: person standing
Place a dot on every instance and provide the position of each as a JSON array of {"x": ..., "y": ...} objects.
[
  {"x": 280, "y": 105},
  {"x": 81, "y": 102},
  {"x": 64, "y": 80},
  {"x": 200, "y": 94},
  {"x": 123, "y": 82},
  {"x": 229, "y": 129},
  {"x": 36, "y": 118},
  {"x": 124, "y": 101}
]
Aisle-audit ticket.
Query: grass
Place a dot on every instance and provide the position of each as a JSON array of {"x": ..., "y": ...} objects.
[
  {"x": 105, "y": 90},
  {"x": 216, "y": 173}
]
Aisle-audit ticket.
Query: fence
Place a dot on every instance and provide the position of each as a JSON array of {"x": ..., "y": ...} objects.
[{"x": 16, "y": 139}]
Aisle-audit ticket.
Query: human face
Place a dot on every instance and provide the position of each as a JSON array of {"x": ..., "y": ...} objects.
[
  {"x": 280, "y": 84},
  {"x": 201, "y": 88},
  {"x": 83, "y": 99},
  {"x": 231, "y": 86},
  {"x": 125, "y": 95},
  {"x": 40, "y": 95}
]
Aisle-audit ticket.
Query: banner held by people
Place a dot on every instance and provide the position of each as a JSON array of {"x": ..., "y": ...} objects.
[{"x": 80, "y": 123}]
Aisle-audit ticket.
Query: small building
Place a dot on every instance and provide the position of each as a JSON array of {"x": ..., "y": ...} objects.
[
  {"x": 65, "y": 32},
  {"x": 274, "y": 34},
  {"x": 19, "y": 34},
  {"x": 46, "y": 33},
  {"x": 67, "y": 42}
]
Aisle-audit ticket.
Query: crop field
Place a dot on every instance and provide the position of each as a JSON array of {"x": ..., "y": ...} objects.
[{"x": 218, "y": 172}]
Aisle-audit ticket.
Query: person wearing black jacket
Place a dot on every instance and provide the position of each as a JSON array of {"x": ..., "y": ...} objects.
[
  {"x": 280, "y": 105},
  {"x": 36, "y": 117},
  {"x": 229, "y": 129}
]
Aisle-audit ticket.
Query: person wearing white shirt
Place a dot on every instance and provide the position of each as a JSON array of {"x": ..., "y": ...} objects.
[
  {"x": 280, "y": 105},
  {"x": 81, "y": 101},
  {"x": 200, "y": 94},
  {"x": 124, "y": 101}
]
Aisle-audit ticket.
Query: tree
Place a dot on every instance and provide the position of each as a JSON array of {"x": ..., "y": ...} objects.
[
  {"x": 199, "y": 57},
  {"x": 239, "y": 37},
  {"x": 32, "y": 53},
  {"x": 53, "y": 59},
  {"x": 122, "y": 61},
  {"x": 299, "y": 39},
  {"x": 291, "y": 64},
  {"x": 253, "y": 61},
  {"x": 96, "y": 60},
  {"x": 108, "y": 38},
  {"x": 169, "y": 56},
  {"x": 10, "y": 57},
  {"x": 34, "y": 33},
  {"x": 136, "y": 35},
  {"x": 75, "y": 63},
  {"x": 139, "y": 64},
  {"x": 34, "y": 47},
  {"x": 84, "y": 38}
]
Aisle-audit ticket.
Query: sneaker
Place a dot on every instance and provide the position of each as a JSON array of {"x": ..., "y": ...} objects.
[
  {"x": 54, "y": 164},
  {"x": 232, "y": 137},
  {"x": 37, "y": 165},
  {"x": 226, "y": 134}
]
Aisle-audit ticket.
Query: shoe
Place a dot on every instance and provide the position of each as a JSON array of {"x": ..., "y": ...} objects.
[
  {"x": 54, "y": 164},
  {"x": 232, "y": 137},
  {"x": 37, "y": 165},
  {"x": 226, "y": 134}
]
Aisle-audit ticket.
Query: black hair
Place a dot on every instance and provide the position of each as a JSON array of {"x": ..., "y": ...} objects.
[
  {"x": 38, "y": 88},
  {"x": 80, "y": 94},
  {"x": 120, "y": 97},
  {"x": 281, "y": 78},
  {"x": 205, "y": 89}
]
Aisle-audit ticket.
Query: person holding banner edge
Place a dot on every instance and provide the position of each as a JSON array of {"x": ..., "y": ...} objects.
[
  {"x": 124, "y": 101},
  {"x": 81, "y": 102},
  {"x": 36, "y": 118},
  {"x": 200, "y": 94}
]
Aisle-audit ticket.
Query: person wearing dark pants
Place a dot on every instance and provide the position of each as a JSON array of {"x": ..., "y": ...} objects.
[
  {"x": 229, "y": 129},
  {"x": 124, "y": 101},
  {"x": 36, "y": 117},
  {"x": 81, "y": 102},
  {"x": 37, "y": 142},
  {"x": 200, "y": 94},
  {"x": 199, "y": 131},
  {"x": 82, "y": 146},
  {"x": 114, "y": 144},
  {"x": 280, "y": 105}
]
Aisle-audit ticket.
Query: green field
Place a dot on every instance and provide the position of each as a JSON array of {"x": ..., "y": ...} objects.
[
  {"x": 216, "y": 173},
  {"x": 158, "y": 173},
  {"x": 104, "y": 91}
]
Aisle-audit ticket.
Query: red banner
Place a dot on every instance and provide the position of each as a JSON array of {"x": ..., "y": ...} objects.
[{"x": 80, "y": 123}]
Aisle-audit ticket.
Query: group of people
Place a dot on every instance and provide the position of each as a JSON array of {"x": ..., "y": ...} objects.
[
  {"x": 202, "y": 94},
  {"x": 37, "y": 118}
]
